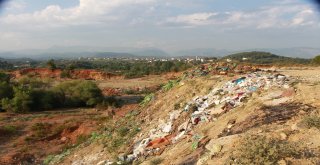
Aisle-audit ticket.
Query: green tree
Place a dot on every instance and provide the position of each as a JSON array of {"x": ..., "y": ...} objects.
[
  {"x": 4, "y": 77},
  {"x": 80, "y": 93},
  {"x": 316, "y": 60},
  {"x": 51, "y": 64},
  {"x": 21, "y": 101}
]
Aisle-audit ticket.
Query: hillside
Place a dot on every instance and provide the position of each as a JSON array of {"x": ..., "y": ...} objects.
[
  {"x": 265, "y": 58},
  {"x": 252, "y": 118}
]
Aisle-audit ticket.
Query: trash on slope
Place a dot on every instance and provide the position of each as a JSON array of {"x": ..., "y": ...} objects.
[{"x": 204, "y": 108}]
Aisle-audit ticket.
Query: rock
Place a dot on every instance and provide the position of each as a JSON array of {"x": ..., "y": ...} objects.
[
  {"x": 283, "y": 136},
  {"x": 214, "y": 148},
  {"x": 204, "y": 159},
  {"x": 282, "y": 162},
  {"x": 64, "y": 139},
  {"x": 102, "y": 162},
  {"x": 294, "y": 127},
  {"x": 122, "y": 157}
]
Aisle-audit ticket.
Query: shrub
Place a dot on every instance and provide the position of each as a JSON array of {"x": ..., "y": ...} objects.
[
  {"x": 41, "y": 130},
  {"x": 147, "y": 99},
  {"x": 262, "y": 150},
  {"x": 8, "y": 130},
  {"x": 316, "y": 60},
  {"x": 156, "y": 161},
  {"x": 170, "y": 85},
  {"x": 80, "y": 93},
  {"x": 311, "y": 121}
]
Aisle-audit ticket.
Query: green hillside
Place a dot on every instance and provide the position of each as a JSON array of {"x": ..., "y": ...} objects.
[{"x": 265, "y": 58}]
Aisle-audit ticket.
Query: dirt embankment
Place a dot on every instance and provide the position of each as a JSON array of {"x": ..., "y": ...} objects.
[
  {"x": 87, "y": 74},
  {"x": 285, "y": 114}
]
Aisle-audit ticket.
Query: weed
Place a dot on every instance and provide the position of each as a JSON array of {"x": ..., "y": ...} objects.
[
  {"x": 311, "y": 121},
  {"x": 122, "y": 131},
  {"x": 147, "y": 99},
  {"x": 81, "y": 139},
  {"x": 41, "y": 130},
  {"x": 156, "y": 161},
  {"x": 9, "y": 129},
  {"x": 170, "y": 85},
  {"x": 48, "y": 159},
  {"x": 262, "y": 150}
]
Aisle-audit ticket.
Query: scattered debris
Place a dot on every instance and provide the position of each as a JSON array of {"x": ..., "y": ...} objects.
[{"x": 220, "y": 100}]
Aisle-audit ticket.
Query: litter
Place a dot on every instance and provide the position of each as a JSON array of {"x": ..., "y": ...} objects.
[{"x": 204, "y": 108}]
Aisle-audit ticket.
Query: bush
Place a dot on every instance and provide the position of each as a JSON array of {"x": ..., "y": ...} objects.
[
  {"x": 20, "y": 103},
  {"x": 8, "y": 130},
  {"x": 316, "y": 60},
  {"x": 262, "y": 150},
  {"x": 311, "y": 121},
  {"x": 156, "y": 161},
  {"x": 147, "y": 99},
  {"x": 41, "y": 130},
  {"x": 33, "y": 95},
  {"x": 170, "y": 85},
  {"x": 80, "y": 93}
]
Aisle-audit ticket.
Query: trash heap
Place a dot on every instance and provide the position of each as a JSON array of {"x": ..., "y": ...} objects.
[
  {"x": 221, "y": 69},
  {"x": 205, "y": 109}
]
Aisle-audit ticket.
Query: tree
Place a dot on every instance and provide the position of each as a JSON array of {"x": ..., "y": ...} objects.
[
  {"x": 80, "y": 93},
  {"x": 51, "y": 64},
  {"x": 4, "y": 77},
  {"x": 316, "y": 60},
  {"x": 21, "y": 101}
]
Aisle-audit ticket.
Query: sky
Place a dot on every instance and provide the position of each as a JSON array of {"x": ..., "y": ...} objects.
[{"x": 170, "y": 25}]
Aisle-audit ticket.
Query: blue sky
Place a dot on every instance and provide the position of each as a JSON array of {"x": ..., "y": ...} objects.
[{"x": 170, "y": 25}]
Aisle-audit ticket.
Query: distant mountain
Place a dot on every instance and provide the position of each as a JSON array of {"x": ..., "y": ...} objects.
[
  {"x": 207, "y": 52},
  {"x": 112, "y": 54},
  {"x": 301, "y": 52},
  {"x": 265, "y": 58},
  {"x": 88, "y": 51},
  {"x": 150, "y": 52},
  {"x": 83, "y": 51}
]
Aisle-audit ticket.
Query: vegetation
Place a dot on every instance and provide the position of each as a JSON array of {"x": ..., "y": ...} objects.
[
  {"x": 266, "y": 58},
  {"x": 8, "y": 130},
  {"x": 147, "y": 99},
  {"x": 116, "y": 135},
  {"x": 316, "y": 60},
  {"x": 34, "y": 95},
  {"x": 263, "y": 150},
  {"x": 156, "y": 161},
  {"x": 130, "y": 69},
  {"x": 51, "y": 64},
  {"x": 311, "y": 121},
  {"x": 170, "y": 85},
  {"x": 5, "y": 65}
]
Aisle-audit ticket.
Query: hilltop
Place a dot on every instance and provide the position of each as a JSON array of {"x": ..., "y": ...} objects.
[{"x": 265, "y": 58}]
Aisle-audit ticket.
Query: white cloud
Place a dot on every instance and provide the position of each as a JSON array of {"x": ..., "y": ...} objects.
[
  {"x": 16, "y": 5},
  {"x": 280, "y": 16},
  {"x": 192, "y": 19},
  {"x": 88, "y": 11}
]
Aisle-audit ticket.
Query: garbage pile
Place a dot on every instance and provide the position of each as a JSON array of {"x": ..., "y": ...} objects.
[
  {"x": 221, "y": 69},
  {"x": 205, "y": 109}
]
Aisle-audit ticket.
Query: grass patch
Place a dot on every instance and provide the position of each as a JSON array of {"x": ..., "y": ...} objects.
[
  {"x": 311, "y": 121},
  {"x": 169, "y": 85},
  {"x": 8, "y": 130},
  {"x": 147, "y": 99},
  {"x": 262, "y": 150},
  {"x": 41, "y": 130},
  {"x": 156, "y": 161}
]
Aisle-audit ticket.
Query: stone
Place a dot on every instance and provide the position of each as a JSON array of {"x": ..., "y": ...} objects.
[
  {"x": 102, "y": 162},
  {"x": 283, "y": 136},
  {"x": 64, "y": 139},
  {"x": 214, "y": 148}
]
